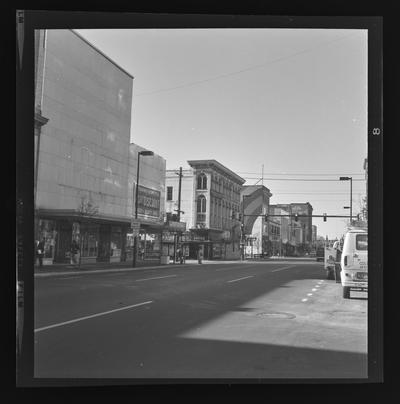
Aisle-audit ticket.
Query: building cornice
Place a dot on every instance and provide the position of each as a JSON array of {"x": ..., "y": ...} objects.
[{"x": 216, "y": 166}]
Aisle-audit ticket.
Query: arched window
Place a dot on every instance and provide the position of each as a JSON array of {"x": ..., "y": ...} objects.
[
  {"x": 201, "y": 209},
  {"x": 201, "y": 204},
  {"x": 202, "y": 181}
]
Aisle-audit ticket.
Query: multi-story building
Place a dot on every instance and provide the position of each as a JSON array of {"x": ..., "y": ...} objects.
[
  {"x": 314, "y": 236},
  {"x": 84, "y": 167},
  {"x": 304, "y": 224},
  {"x": 151, "y": 202},
  {"x": 210, "y": 196},
  {"x": 280, "y": 244},
  {"x": 255, "y": 204}
]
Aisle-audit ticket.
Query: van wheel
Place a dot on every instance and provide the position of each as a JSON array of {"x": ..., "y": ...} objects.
[{"x": 346, "y": 292}]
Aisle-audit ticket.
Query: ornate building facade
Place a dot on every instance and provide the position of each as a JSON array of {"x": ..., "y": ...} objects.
[{"x": 210, "y": 201}]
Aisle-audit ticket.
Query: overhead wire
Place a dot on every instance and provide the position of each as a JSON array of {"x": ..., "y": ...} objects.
[{"x": 261, "y": 65}]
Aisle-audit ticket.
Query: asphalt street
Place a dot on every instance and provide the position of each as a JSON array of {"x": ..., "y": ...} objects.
[{"x": 247, "y": 320}]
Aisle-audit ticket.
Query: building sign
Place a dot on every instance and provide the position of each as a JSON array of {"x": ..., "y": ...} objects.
[
  {"x": 176, "y": 226},
  {"x": 148, "y": 202}
]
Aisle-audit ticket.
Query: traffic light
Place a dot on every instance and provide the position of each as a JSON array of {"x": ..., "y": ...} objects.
[
  {"x": 233, "y": 215},
  {"x": 358, "y": 217},
  {"x": 296, "y": 217},
  {"x": 266, "y": 217},
  {"x": 240, "y": 216},
  {"x": 324, "y": 217}
]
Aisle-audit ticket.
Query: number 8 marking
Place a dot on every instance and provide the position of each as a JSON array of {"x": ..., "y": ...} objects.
[{"x": 376, "y": 131}]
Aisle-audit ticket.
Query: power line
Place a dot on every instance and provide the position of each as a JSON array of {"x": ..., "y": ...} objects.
[
  {"x": 298, "y": 179},
  {"x": 333, "y": 174},
  {"x": 193, "y": 83},
  {"x": 317, "y": 193}
]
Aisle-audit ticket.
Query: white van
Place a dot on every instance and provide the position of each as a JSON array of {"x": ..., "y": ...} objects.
[{"x": 354, "y": 261}]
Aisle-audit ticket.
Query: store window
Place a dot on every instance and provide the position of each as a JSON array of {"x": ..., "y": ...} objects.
[
  {"x": 150, "y": 245},
  {"x": 116, "y": 241},
  {"x": 89, "y": 240},
  {"x": 169, "y": 193},
  {"x": 46, "y": 231},
  {"x": 201, "y": 208}
]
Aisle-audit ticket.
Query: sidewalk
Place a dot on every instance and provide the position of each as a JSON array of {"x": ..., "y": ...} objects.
[
  {"x": 67, "y": 269},
  {"x": 61, "y": 268}
]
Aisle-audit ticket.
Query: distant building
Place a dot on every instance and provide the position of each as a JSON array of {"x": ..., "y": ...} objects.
[
  {"x": 210, "y": 197},
  {"x": 254, "y": 205},
  {"x": 306, "y": 222},
  {"x": 314, "y": 234},
  {"x": 281, "y": 244},
  {"x": 301, "y": 231}
]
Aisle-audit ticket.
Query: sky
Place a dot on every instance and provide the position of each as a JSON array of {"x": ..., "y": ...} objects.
[{"x": 288, "y": 103}]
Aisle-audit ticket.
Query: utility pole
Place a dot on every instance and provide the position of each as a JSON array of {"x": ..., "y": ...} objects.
[
  {"x": 178, "y": 210},
  {"x": 179, "y": 194}
]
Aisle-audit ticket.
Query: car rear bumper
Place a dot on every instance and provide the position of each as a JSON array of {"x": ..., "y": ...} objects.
[{"x": 356, "y": 285}]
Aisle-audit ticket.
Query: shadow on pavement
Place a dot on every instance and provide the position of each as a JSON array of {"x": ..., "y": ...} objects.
[{"x": 155, "y": 346}]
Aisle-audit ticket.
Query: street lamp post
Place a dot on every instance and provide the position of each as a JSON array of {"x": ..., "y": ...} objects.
[
  {"x": 135, "y": 240},
  {"x": 351, "y": 195}
]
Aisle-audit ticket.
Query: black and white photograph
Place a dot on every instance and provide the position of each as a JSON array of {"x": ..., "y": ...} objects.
[{"x": 200, "y": 201}]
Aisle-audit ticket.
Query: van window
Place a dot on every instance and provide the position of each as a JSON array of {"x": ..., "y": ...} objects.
[{"x": 362, "y": 242}]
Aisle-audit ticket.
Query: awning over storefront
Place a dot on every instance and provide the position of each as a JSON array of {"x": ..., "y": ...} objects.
[{"x": 75, "y": 215}]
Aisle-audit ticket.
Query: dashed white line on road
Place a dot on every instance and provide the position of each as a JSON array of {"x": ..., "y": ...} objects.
[
  {"x": 157, "y": 277},
  {"x": 230, "y": 268},
  {"x": 91, "y": 316},
  {"x": 317, "y": 286},
  {"x": 70, "y": 277},
  {"x": 309, "y": 294},
  {"x": 281, "y": 269},
  {"x": 313, "y": 289},
  {"x": 304, "y": 300},
  {"x": 235, "y": 280}
]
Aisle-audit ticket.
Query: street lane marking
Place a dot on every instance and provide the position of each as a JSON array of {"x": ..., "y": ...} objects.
[
  {"x": 309, "y": 294},
  {"x": 317, "y": 286},
  {"x": 70, "y": 277},
  {"x": 239, "y": 279},
  {"x": 313, "y": 289},
  {"x": 157, "y": 277},
  {"x": 230, "y": 268},
  {"x": 304, "y": 300},
  {"x": 92, "y": 316},
  {"x": 281, "y": 269}
]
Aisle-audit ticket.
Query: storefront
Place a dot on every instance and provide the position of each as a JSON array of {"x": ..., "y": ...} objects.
[
  {"x": 149, "y": 242},
  {"x": 98, "y": 240},
  {"x": 174, "y": 237},
  {"x": 46, "y": 230}
]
